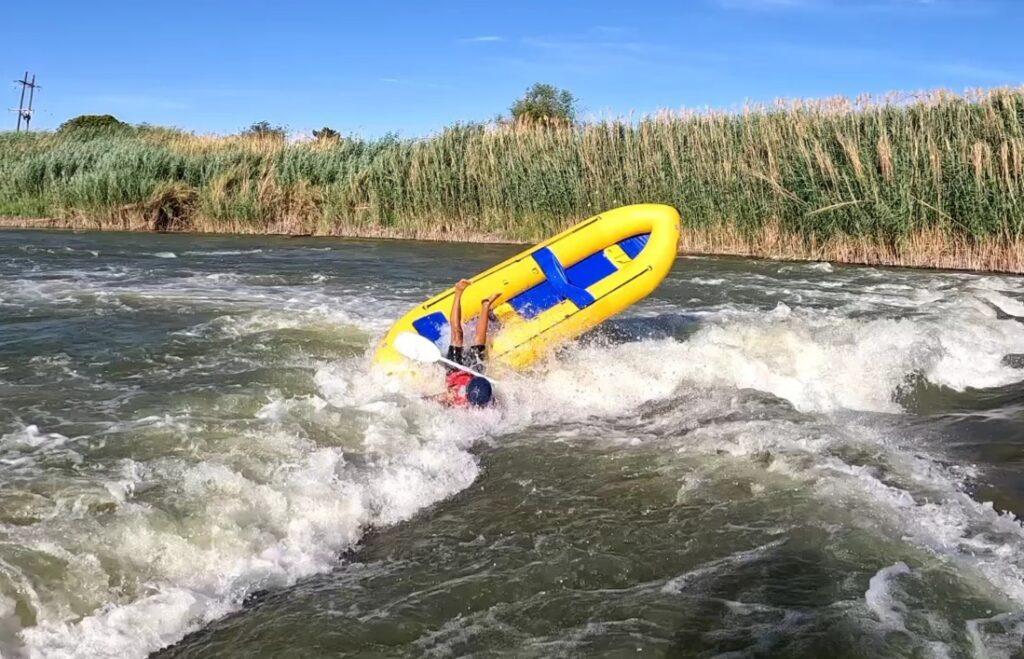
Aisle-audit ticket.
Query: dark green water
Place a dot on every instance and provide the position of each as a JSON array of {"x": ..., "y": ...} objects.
[{"x": 761, "y": 459}]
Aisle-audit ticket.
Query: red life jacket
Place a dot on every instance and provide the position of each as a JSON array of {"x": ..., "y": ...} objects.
[{"x": 456, "y": 382}]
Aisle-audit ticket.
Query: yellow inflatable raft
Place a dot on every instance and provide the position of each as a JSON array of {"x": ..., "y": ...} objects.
[{"x": 556, "y": 290}]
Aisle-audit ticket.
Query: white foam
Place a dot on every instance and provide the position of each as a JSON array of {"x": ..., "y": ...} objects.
[
  {"x": 1005, "y": 303},
  {"x": 9, "y": 623},
  {"x": 947, "y": 524},
  {"x": 277, "y": 512},
  {"x": 914, "y": 498},
  {"x": 127, "y": 630},
  {"x": 30, "y": 437},
  {"x": 880, "y": 599},
  {"x": 681, "y": 583},
  {"x": 818, "y": 266},
  {"x": 277, "y": 409},
  {"x": 999, "y": 636},
  {"x": 822, "y": 361},
  {"x": 222, "y": 252}
]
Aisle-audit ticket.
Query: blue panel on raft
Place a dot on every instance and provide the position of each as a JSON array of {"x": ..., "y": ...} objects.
[
  {"x": 431, "y": 325},
  {"x": 558, "y": 278},
  {"x": 590, "y": 270},
  {"x": 531, "y": 302},
  {"x": 633, "y": 246},
  {"x": 543, "y": 296}
]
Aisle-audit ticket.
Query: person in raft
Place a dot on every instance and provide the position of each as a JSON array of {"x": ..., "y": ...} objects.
[{"x": 461, "y": 388}]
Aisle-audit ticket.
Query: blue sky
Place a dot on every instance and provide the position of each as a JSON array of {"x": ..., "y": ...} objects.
[{"x": 413, "y": 67}]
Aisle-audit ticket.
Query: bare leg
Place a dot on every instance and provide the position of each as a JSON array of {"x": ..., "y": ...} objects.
[
  {"x": 484, "y": 319},
  {"x": 456, "y": 320}
]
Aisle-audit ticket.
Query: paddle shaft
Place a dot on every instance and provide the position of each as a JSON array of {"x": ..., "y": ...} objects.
[{"x": 464, "y": 368}]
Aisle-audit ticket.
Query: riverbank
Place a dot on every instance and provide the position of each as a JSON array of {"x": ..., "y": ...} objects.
[
  {"x": 928, "y": 180},
  {"x": 930, "y": 250}
]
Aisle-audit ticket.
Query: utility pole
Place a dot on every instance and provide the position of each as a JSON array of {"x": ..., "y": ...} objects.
[{"x": 23, "y": 111}]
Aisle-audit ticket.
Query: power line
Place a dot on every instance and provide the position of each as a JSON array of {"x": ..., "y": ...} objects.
[{"x": 25, "y": 112}]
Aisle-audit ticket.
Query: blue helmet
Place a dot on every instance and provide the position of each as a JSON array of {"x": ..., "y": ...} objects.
[{"x": 478, "y": 391}]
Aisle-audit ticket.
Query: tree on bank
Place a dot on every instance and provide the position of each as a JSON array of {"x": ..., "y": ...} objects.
[
  {"x": 326, "y": 134},
  {"x": 93, "y": 122},
  {"x": 545, "y": 103},
  {"x": 266, "y": 130}
]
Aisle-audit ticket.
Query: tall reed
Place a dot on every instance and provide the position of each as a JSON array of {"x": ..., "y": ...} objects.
[{"x": 934, "y": 174}]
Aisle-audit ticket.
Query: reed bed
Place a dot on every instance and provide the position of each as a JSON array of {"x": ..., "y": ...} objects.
[{"x": 932, "y": 179}]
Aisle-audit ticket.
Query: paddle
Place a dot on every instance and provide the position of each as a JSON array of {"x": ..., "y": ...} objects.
[{"x": 421, "y": 349}]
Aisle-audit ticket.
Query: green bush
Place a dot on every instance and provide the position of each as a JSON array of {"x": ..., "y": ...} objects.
[
  {"x": 326, "y": 134},
  {"x": 266, "y": 130},
  {"x": 545, "y": 104},
  {"x": 93, "y": 122}
]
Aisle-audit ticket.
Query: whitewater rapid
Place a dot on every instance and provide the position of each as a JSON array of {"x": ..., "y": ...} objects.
[{"x": 174, "y": 442}]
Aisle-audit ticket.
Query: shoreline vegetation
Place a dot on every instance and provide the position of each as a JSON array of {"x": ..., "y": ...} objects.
[{"x": 926, "y": 180}]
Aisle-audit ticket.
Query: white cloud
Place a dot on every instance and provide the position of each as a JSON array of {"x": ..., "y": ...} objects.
[{"x": 485, "y": 38}]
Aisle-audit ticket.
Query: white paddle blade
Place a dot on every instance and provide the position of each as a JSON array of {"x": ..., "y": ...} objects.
[
  {"x": 421, "y": 349},
  {"x": 417, "y": 348}
]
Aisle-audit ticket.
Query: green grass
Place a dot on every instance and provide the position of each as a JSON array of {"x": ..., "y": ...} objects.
[{"x": 881, "y": 170}]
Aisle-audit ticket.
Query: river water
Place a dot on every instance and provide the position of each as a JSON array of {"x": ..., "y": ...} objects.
[{"x": 760, "y": 459}]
